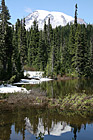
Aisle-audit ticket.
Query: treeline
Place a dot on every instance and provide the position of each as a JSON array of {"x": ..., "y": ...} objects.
[
  {"x": 12, "y": 46},
  {"x": 64, "y": 50}
]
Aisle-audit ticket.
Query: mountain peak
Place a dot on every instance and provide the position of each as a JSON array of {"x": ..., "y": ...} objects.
[{"x": 56, "y": 19}]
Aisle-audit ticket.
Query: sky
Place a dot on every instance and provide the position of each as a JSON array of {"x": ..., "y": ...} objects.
[{"x": 22, "y": 8}]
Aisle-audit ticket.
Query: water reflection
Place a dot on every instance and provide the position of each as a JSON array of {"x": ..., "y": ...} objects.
[
  {"x": 56, "y": 129},
  {"x": 63, "y": 88},
  {"x": 43, "y": 124}
]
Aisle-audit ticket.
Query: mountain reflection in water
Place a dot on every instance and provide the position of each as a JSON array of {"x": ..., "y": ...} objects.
[
  {"x": 27, "y": 124},
  {"x": 56, "y": 129}
]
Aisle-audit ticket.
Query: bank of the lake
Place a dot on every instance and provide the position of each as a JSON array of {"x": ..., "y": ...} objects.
[{"x": 76, "y": 103}]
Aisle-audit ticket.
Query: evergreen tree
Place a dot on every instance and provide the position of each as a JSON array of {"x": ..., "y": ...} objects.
[
  {"x": 40, "y": 53},
  {"x": 56, "y": 38},
  {"x": 45, "y": 38},
  {"x": 91, "y": 56},
  {"x": 50, "y": 62},
  {"x": 23, "y": 43},
  {"x": 17, "y": 61},
  {"x": 49, "y": 35},
  {"x": 52, "y": 57},
  {"x": 81, "y": 56},
  {"x": 5, "y": 42},
  {"x": 72, "y": 48},
  {"x": 65, "y": 59},
  {"x": 9, "y": 52},
  {"x": 33, "y": 45},
  {"x": 75, "y": 20},
  {"x": 61, "y": 50}
]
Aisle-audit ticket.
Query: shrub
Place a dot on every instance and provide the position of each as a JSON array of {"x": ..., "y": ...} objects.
[{"x": 12, "y": 79}]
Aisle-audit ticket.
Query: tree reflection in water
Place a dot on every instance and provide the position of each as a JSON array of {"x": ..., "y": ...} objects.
[
  {"x": 40, "y": 123},
  {"x": 62, "y": 88},
  {"x": 40, "y": 136}
]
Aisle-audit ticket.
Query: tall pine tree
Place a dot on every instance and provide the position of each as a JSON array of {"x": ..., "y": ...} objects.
[
  {"x": 5, "y": 42},
  {"x": 75, "y": 20},
  {"x": 81, "y": 55}
]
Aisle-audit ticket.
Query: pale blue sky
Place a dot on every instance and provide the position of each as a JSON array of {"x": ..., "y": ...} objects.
[{"x": 21, "y": 8}]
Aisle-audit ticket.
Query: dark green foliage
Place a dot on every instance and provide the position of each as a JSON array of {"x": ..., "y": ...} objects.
[
  {"x": 33, "y": 45},
  {"x": 60, "y": 51},
  {"x": 72, "y": 48},
  {"x": 9, "y": 52},
  {"x": 5, "y": 42},
  {"x": 19, "y": 52},
  {"x": 63, "y": 50},
  {"x": 23, "y": 42},
  {"x": 81, "y": 55},
  {"x": 75, "y": 21},
  {"x": 91, "y": 56}
]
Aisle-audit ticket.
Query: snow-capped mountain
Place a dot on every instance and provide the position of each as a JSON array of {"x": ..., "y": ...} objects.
[{"x": 56, "y": 19}]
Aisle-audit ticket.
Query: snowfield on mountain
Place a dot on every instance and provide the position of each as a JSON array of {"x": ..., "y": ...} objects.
[{"x": 56, "y": 19}]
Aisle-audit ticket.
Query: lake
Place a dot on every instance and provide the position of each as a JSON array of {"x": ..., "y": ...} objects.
[
  {"x": 49, "y": 124},
  {"x": 62, "y": 88},
  {"x": 46, "y": 124}
]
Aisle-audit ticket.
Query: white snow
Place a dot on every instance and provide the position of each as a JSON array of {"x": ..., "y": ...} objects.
[
  {"x": 56, "y": 19},
  {"x": 36, "y": 78},
  {"x": 31, "y": 74},
  {"x": 11, "y": 89},
  {"x": 32, "y": 81}
]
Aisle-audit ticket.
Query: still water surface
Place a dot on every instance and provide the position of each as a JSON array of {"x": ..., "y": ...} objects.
[
  {"x": 32, "y": 124},
  {"x": 62, "y": 88}
]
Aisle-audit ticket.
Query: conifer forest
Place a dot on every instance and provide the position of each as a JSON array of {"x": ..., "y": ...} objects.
[{"x": 61, "y": 51}]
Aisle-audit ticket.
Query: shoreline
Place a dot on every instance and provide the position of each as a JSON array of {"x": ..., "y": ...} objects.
[
  {"x": 64, "y": 77},
  {"x": 75, "y": 103}
]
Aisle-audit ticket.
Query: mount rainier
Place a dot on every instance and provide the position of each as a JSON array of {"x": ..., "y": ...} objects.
[{"x": 56, "y": 19}]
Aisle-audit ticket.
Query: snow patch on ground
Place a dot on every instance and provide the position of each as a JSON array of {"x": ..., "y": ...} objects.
[
  {"x": 32, "y": 74},
  {"x": 32, "y": 81},
  {"x": 12, "y": 89},
  {"x": 36, "y": 78}
]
